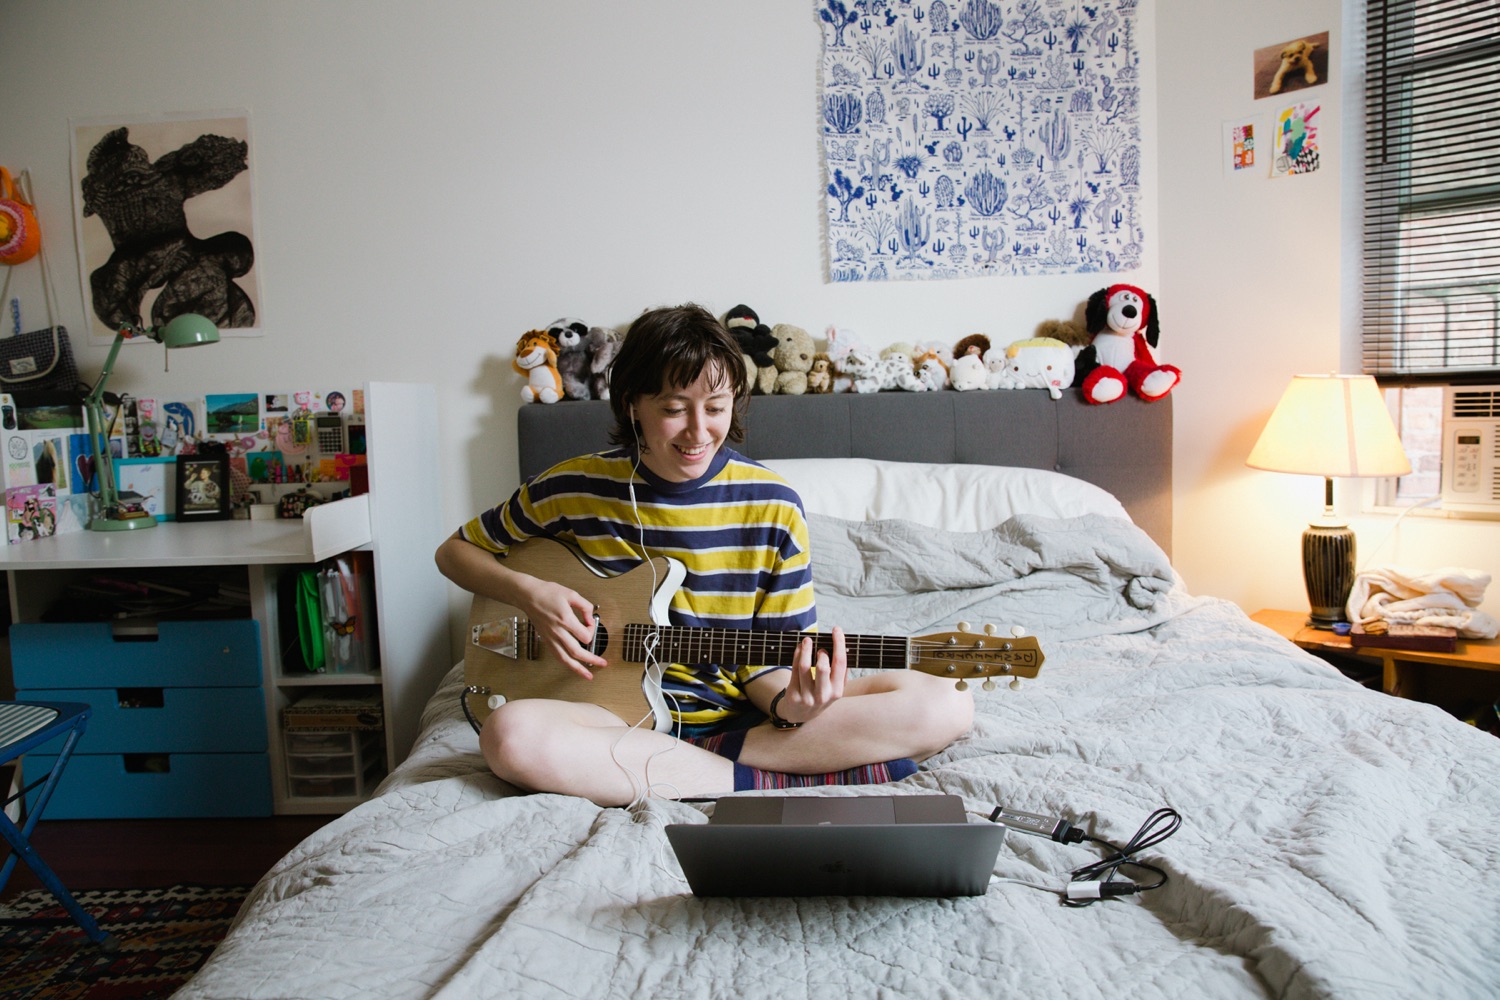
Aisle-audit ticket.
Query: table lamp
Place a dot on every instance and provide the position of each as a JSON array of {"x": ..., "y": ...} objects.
[
  {"x": 1330, "y": 425},
  {"x": 113, "y": 513}
]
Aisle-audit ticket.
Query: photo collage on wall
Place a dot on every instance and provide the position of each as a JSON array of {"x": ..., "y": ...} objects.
[
  {"x": 271, "y": 444},
  {"x": 964, "y": 138}
]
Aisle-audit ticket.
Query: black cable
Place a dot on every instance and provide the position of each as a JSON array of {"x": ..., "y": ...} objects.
[
  {"x": 463, "y": 700},
  {"x": 1160, "y": 825}
]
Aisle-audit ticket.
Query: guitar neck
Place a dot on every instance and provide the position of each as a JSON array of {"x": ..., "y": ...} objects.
[{"x": 739, "y": 647}]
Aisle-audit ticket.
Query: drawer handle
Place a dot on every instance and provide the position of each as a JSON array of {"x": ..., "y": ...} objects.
[
  {"x": 141, "y": 697},
  {"x": 148, "y": 763}
]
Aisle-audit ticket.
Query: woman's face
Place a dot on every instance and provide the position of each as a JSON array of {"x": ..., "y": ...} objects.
[{"x": 682, "y": 429}]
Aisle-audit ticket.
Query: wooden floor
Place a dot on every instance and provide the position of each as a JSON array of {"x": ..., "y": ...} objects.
[{"x": 146, "y": 853}]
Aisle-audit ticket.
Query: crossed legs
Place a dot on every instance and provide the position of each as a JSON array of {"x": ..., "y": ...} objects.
[{"x": 582, "y": 749}]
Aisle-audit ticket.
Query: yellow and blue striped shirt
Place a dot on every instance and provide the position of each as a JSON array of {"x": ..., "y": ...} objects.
[{"x": 739, "y": 530}]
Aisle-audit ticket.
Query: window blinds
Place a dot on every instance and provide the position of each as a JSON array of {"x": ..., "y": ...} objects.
[{"x": 1432, "y": 190}]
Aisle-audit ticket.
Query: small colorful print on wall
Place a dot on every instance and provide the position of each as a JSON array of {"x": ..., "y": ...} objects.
[
  {"x": 1296, "y": 141},
  {"x": 964, "y": 138}
]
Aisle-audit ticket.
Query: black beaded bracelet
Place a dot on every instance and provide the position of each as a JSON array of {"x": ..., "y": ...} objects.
[{"x": 777, "y": 720}]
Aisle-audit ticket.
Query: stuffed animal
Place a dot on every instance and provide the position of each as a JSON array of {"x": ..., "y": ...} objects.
[
  {"x": 1122, "y": 321},
  {"x": 975, "y": 343},
  {"x": 1038, "y": 363},
  {"x": 603, "y": 344},
  {"x": 820, "y": 376},
  {"x": 904, "y": 353},
  {"x": 757, "y": 343},
  {"x": 793, "y": 358},
  {"x": 840, "y": 343},
  {"x": 968, "y": 373},
  {"x": 931, "y": 370},
  {"x": 874, "y": 374},
  {"x": 1070, "y": 332},
  {"x": 572, "y": 356},
  {"x": 536, "y": 358}
]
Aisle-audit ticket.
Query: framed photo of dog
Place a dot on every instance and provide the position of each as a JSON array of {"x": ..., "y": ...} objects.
[{"x": 1291, "y": 65}]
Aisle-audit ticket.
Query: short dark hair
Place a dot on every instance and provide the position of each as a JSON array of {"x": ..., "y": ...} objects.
[{"x": 670, "y": 347}]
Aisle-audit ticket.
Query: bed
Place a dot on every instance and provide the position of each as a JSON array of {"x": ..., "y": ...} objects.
[{"x": 1335, "y": 841}]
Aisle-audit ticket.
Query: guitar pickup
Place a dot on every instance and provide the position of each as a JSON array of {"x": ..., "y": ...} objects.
[{"x": 497, "y": 636}]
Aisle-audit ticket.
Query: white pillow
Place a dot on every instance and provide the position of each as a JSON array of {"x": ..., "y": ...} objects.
[{"x": 952, "y": 497}]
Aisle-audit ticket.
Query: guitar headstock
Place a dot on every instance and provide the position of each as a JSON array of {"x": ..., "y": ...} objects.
[{"x": 966, "y": 655}]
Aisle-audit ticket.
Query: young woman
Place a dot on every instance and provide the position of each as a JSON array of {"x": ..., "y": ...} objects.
[{"x": 672, "y": 486}]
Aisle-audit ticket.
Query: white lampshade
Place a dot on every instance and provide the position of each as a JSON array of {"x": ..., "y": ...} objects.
[{"x": 1331, "y": 425}]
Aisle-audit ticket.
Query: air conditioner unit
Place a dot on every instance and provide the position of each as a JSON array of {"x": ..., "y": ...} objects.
[{"x": 1471, "y": 448}]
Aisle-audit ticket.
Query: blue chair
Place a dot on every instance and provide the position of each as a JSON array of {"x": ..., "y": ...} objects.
[{"x": 25, "y": 726}]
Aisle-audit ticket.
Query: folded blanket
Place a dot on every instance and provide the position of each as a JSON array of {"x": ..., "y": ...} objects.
[{"x": 1447, "y": 597}]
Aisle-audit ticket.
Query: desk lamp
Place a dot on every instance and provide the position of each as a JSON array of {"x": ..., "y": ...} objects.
[
  {"x": 1330, "y": 425},
  {"x": 113, "y": 514}
]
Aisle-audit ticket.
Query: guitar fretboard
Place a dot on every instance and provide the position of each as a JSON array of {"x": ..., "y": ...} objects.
[{"x": 741, "y": 647}]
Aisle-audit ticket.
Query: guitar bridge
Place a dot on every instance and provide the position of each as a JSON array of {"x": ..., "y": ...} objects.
[{"x": 498, "y": 636}]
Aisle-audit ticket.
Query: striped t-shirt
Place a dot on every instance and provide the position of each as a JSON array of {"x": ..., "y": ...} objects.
[{"x": 739, "y": 530}]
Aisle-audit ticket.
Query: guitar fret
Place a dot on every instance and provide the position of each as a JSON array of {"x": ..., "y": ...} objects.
[{"x": 753, "y": 647}]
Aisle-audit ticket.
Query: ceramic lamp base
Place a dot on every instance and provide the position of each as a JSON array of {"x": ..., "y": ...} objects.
[{"x": 1328, "y": 568}]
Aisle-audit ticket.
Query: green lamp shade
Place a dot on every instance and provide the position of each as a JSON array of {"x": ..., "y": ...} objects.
[{"x": 189, "y": 330}]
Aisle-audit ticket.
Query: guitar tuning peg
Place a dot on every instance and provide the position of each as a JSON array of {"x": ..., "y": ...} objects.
[
  {"x": 963, "y": 626},
  {"x": 989, "y": 684},
  {"x": 1017, "y": 631},
  {"x": 1015, "y": 683},
  {"x": 989, "y": 628},
  {"x": 962, "y": 685}
]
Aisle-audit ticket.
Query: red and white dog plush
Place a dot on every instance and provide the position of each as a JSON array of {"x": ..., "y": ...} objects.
[{"x": 1123, "y": 322}]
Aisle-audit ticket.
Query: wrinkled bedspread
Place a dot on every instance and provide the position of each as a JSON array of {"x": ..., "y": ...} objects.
[{"x": 1335, "y": 841}]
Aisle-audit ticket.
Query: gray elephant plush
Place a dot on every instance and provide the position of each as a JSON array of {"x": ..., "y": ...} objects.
[{"x": 603, "y": 345}]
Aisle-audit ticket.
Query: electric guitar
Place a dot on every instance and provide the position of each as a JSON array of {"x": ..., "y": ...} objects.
[{"x": 505, "y": 660}]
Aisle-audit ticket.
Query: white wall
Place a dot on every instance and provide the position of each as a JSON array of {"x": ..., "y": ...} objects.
[
  {"x": 434, "y": 179},
  {"x": 1255, "y": 274}
]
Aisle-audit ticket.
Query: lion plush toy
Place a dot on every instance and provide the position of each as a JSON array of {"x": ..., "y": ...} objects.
[
  {"x": 820, "y": 377},
  {"x": 536, "y": 358},
  {"x": 1122, "y": 355}
]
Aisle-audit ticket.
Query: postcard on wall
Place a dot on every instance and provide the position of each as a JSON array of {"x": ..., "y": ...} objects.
[
  {"x": 165, "y": 221},
  {"x": 1296, "y": 141},
  {"x": 1242, "y": 155},
  {"x": 1295, "y": 64}
]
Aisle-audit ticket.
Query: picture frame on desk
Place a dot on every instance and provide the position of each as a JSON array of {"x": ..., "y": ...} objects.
[
  {"x": 154, "y": 480},
  {"x": 202, "y": 487}
]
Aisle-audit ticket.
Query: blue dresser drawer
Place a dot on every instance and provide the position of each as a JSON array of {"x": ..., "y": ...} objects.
[
  {"x": 167, "y": 720},
  {"x": 138, "y": 786},
  {"x": 181, "y": 654}
]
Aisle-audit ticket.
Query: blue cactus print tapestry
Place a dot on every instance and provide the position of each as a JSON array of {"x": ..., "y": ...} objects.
[{"x": 969, "y": 137}]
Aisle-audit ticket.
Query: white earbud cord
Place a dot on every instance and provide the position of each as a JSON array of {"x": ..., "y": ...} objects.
[{"x": 641, "y": 787}]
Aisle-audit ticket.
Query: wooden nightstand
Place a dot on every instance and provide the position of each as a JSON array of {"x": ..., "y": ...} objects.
[{"x": 1401, "y": 669}]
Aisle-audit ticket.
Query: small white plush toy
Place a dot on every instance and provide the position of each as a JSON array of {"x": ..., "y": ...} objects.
[
  {"x": 968, "y": 373},
  {"x": 840, "y": 343},
  {"x": 874, "y": 374},
  {"x": 1038, "y": 363}
]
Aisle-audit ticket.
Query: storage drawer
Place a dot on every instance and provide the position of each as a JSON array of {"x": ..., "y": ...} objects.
[
  {"x": 134, "y": 786},
  {"x": 179, "y": 654},
  {"x": 167, "y": 720},
  {"x": 333, "y": 764}
]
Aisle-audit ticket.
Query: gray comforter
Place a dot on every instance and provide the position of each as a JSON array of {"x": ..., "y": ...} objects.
[{"x": 1335, "y": 841}]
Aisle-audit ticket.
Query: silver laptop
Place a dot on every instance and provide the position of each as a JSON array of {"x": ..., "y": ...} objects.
[{"x": 808, "y": 845}]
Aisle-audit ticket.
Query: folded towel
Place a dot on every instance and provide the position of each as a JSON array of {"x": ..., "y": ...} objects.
[{"x": 1448, "y": 597}]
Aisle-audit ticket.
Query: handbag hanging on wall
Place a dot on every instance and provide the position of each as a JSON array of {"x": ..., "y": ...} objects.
[{"x": 41, "y": 360}]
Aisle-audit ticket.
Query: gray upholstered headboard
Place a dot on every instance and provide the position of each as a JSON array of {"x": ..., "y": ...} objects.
[{"x": 1125, "y": 447}]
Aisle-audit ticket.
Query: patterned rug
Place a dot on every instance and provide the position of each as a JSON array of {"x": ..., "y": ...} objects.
[{"x": 165, "y": 935}]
